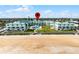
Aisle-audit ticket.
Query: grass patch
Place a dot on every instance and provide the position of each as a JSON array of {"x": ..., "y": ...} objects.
[
  {"x": 29, "y": 30},
  {"x": 48, "y": 30}
]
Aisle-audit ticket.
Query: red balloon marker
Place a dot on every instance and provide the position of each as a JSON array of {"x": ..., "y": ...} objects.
[{"x": 37, "y": 15}]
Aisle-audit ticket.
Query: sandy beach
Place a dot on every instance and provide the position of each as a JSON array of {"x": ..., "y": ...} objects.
[{"x": 39, "y": 44}]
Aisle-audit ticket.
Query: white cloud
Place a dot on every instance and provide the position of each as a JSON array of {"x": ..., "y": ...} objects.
[
  {"x": 49, "y": 13},
  {"x": 75, "y": 15},
  {"x": 65, "y": 13},
  {"x": 68, "y": 14},
  {"x": 44, "y": 13},
  {"x": 21, "y": 9}
]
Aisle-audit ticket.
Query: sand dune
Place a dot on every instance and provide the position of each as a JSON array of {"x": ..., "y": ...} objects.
[{"x": 40, "y": 44}]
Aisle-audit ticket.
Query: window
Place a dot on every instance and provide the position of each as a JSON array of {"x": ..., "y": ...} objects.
[
  {"x": 63, "y": 27},
  {"x": 17, "y": 27},
  {"x": 59, "y": 27},
  {"x": 22, "y": 27},
  {"x": 67, "y": 27},
  {"x": 13, "y": 27},
  {"x": 8, "y": 27}
]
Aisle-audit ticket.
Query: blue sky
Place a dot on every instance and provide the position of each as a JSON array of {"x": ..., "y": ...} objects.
[{"x": 51, "y": 11}]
